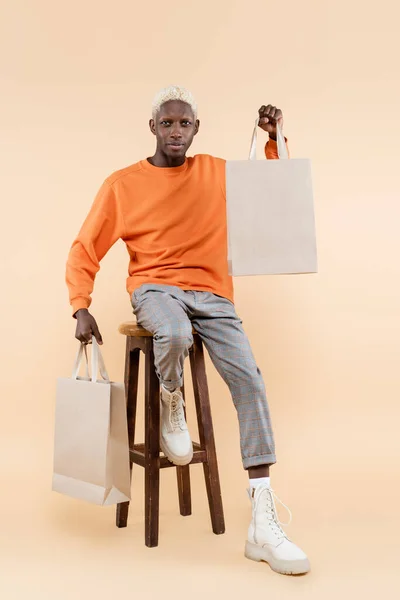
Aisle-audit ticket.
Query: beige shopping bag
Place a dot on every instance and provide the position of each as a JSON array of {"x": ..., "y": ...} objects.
[
  {"x": 91, "y": 453},
  {"x": 270, "y": 214}
]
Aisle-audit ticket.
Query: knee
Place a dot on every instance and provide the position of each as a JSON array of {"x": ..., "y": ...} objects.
[
  {"x": 257, "y": 382},
  {"x": 250, "y": 382},
  {"x": 177, "y": 338}
]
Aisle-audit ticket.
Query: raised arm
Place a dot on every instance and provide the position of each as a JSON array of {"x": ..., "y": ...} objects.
[{"x": 270, "y": 118}]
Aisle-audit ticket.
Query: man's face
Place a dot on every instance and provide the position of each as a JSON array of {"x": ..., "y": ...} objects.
[{"x": 175, "y": 128}]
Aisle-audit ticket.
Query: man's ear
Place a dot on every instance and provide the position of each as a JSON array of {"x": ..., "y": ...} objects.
[
  {"x": 196, "y": 127},
  {"x": 152, "y": 126}
]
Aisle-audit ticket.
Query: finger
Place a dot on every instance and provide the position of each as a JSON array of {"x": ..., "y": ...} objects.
[
  {"x": 271, "y": 113},
  {"x": 264, "y": 114},
  {"x": 86, "y": 337},
  {"x": 97, "y": 335},
  {"x": 262, "y": 120}
]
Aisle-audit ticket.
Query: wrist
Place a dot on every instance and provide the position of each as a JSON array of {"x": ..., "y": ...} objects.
[{"x": 81, "y": 312}]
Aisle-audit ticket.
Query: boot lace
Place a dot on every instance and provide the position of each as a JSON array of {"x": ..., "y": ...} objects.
[
  {"x": 267, "y": 498},
  {"x": 176, "y": 413}
]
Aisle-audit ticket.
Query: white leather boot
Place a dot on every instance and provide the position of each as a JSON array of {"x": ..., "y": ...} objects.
[
  {"x": 175, "y": 439},
  {"x": 266, "y": 539}
]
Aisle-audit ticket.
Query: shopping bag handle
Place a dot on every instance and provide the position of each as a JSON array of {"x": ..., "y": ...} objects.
[
  {"x": 282, "y": 149},
  {"x": 97, "y": 362},
  {"x": 77, "y": 364}
]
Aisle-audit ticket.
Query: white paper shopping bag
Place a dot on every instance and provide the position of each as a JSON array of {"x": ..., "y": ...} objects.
[
  {"x": 91, "y": 451},
  {"x": 270, "y": 214}
]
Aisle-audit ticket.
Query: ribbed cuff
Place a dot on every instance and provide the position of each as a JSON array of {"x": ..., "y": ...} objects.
[
  {"x": 79, "y": 303},
  {"x": 271, "y": 149},
  {"x": 274, "y": 144}
]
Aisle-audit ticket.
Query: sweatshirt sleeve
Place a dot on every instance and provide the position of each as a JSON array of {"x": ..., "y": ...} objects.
[
  {"x": 102, "y": 227},
  {"x": 271, "y": 149}
]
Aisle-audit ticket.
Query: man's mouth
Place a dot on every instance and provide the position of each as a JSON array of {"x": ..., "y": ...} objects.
[{"x": 175, "y": 144}]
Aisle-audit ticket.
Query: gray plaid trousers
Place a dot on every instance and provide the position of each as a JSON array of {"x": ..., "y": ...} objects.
[{"x": 169, "y": 313}]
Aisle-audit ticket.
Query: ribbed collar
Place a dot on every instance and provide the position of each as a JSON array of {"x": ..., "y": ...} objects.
[{"x": 164, "y": 170}]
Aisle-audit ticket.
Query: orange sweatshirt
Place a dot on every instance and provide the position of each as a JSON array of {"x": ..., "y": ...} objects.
[{"x": 172, "y": 220}]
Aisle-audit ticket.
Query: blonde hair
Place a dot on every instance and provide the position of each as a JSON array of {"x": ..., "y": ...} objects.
[{"x": 173, "y": 92}]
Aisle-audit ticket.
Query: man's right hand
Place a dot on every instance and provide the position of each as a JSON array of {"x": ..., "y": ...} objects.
[{"x": 86, "y": 327}]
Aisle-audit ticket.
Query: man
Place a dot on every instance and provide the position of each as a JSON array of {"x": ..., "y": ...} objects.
[{"x": 170, "y": 211}]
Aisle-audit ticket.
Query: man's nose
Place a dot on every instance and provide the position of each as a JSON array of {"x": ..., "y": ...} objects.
[{"x": 176, "y": 131}]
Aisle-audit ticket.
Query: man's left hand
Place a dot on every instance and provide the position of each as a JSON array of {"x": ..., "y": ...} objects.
[{"x": 270, "y": 118}]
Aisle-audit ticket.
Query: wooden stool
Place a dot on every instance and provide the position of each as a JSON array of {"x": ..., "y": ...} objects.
[{"x": 147, "y": 455}]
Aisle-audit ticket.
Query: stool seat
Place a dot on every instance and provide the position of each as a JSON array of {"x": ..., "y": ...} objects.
[{"x": 132, "y": 329}]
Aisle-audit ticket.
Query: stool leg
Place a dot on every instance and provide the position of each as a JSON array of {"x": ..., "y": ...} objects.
[
  {"x": 185, "y": 499},
  {"x": 206, "y": 433},
  {"x": 183, "y": 479},
  {"x": 152, "y": 448},
  {"x": 131, "y": 390}
]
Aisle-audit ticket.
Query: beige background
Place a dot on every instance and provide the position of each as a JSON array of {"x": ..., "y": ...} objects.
[{"x": 77, "y": 81}]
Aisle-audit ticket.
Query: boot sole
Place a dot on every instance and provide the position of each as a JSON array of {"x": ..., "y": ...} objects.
[
  {"x": 285, "y": 567},
  {"x": 179, "y": 461}
]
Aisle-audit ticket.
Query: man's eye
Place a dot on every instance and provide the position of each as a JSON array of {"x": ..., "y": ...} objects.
[
  {"x": 187, "y": 123},
  {"x": 164, "y": 122}
]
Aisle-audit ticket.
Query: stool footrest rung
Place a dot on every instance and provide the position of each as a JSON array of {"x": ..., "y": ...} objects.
[{"x": 137, "y": 456}]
